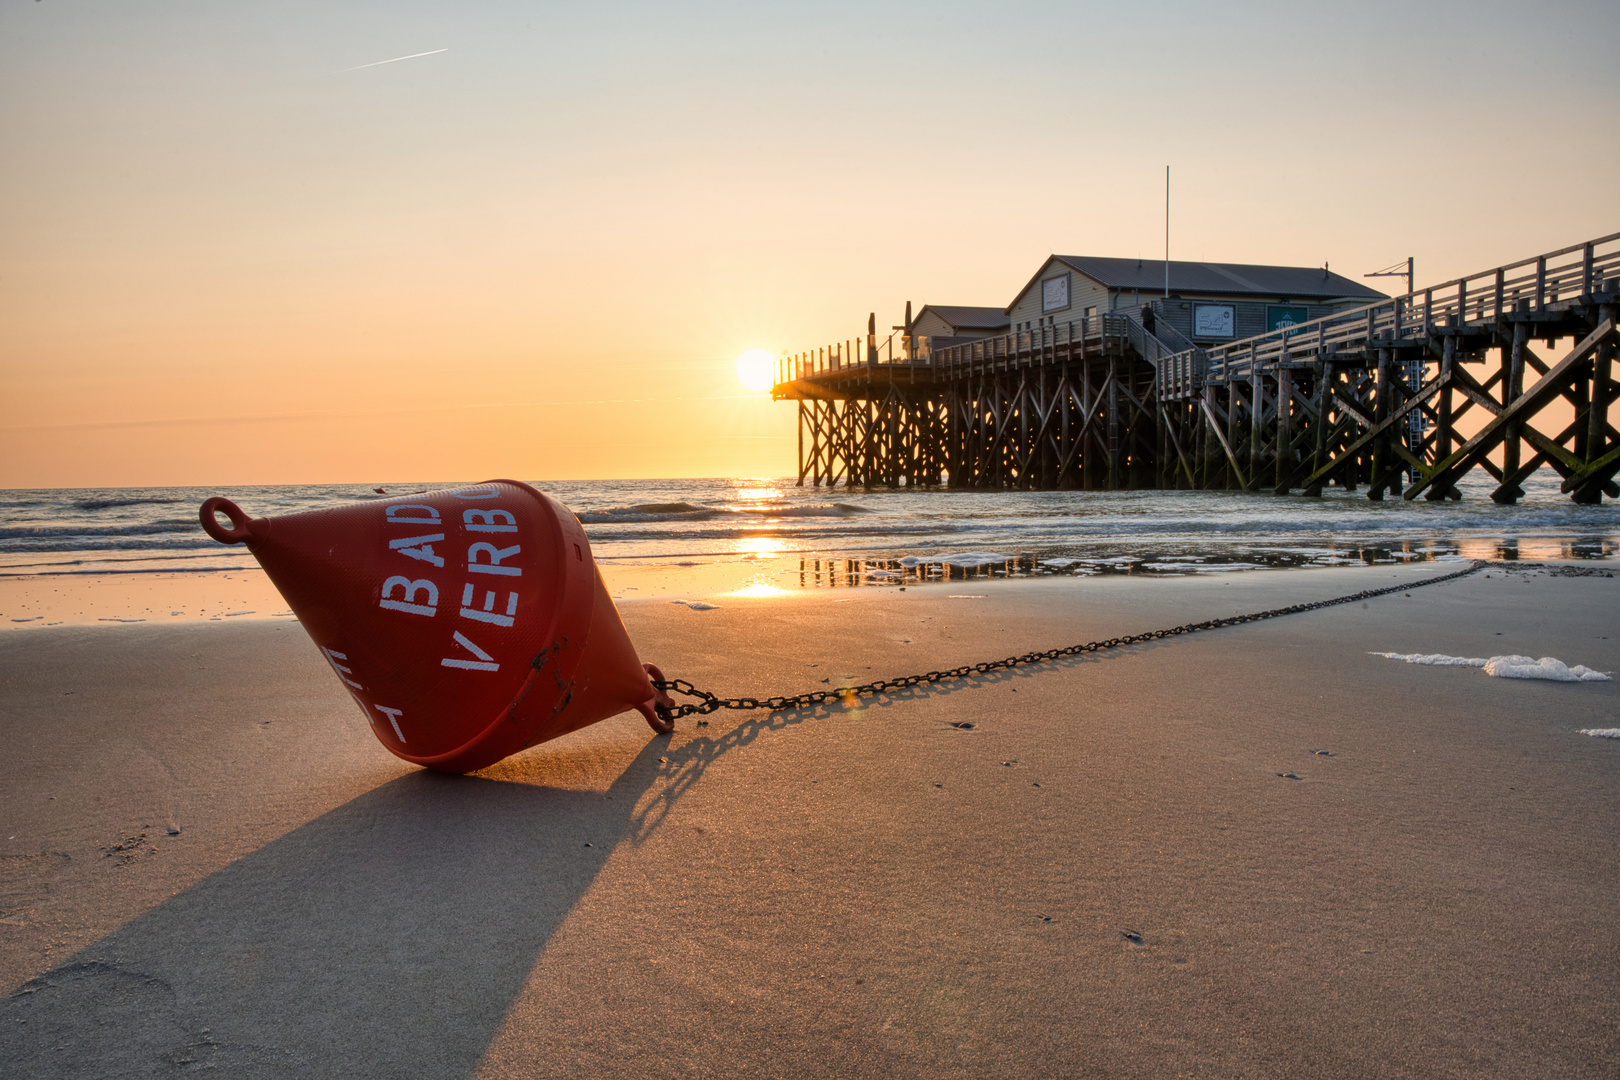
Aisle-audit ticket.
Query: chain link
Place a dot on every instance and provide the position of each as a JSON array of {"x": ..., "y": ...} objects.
[{"x": 709, "y": 703}]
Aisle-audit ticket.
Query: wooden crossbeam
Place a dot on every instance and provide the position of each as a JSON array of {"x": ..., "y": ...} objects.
[
  {"x": 1453, "y": 467},
  {"x": 1329, "y": 439},
  {"x": 1375, "y": 430},
  {"x": 1598, "y": 471},
  {"x": 1350, "y": 408},
  {"x": 1475, "y": 392},
  {"x": 1175, "y": 442},
  {"x": 1216, "y": 428}
]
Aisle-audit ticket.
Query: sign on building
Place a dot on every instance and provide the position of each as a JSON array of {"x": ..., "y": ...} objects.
[
  {"x": 1214, "y": 321},
  {"x": 1055, "y": 293},
  {"x": 1281, "y": 315}
]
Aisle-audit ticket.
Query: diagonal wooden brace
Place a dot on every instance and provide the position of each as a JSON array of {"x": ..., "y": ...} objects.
[
  {"x": 1601, "y": 471},
  {"x": 1216, "y": 428},
  {"x": 1447, "y": 472},
  {"x": 1379, "y": 428}
]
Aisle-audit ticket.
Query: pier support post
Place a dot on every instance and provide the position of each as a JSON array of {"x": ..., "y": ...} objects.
[
  {"x": 1257, "y": 413},
  {"x": 1113, "y": 426},
  {"x": 1285, "y": 431},
  {"x": 1377, "y": 476},
  {"x": 1319, "y": 455},
  {"x": 1509, "y": 492},
  {"x": 1602, "y": 453},
  {"x": 1446, "y": 434},
  {"x": 801, "y": 445}
]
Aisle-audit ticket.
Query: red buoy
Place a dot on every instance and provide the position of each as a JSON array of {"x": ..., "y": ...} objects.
[{"x": 468, "y": 624}]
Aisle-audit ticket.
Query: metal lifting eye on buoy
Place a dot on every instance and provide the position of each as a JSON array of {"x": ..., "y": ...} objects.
[
  {"x": 237, "y": 533},
  {"x": 466, "y": 624}
]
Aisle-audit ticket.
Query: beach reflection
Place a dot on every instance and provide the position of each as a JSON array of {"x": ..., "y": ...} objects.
[
  {"x": 923, "y": 570},
  {"x": 759, "y": 546},
  {"x": 761, "y": 592}
]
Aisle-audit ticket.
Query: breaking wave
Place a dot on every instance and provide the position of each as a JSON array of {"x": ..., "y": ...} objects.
[
  {"x": 953, "y": 532},
  {"x": 113, "y": 504},
  {"x": 644, "y": 513}
]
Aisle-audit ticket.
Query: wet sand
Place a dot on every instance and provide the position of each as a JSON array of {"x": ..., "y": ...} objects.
[
  {"x": 208, "y": 861},
  {"x": 146, "y": 592}
]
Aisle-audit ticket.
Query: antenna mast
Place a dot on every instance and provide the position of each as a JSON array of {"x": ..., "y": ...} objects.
[
  {"x": 1398, "y": 270},
  {"x": 1167, "y": 232}
]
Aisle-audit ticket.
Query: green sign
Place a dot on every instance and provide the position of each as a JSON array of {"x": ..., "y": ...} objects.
[{"x": 1281, "y": 315}]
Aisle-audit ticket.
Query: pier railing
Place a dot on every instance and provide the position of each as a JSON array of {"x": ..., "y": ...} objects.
[
  {"x": 1179, "y": 371},
  {"x": 953, "y": 360},
  {"x": 1166, "y": 332},
  {"x": 898, "y": 354},
  {"x": 854, "y": 354},
  {"x": 1544, "y": 283}
]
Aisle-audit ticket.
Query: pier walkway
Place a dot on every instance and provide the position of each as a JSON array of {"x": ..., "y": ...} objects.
[{"x": 1402, "y": 396}]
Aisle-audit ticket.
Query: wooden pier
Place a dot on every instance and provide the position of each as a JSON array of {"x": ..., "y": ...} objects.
[{"x": 1405, "y": 396}]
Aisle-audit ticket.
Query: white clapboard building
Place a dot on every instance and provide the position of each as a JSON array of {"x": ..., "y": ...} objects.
[
  {"x": 1208, "y": 302},
  {"x": 946, "y": 324}
]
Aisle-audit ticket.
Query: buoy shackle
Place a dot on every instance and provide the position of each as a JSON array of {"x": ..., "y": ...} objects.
[
  {"x": 237, "y": 533},
  {"x": 656, "y": 710}
]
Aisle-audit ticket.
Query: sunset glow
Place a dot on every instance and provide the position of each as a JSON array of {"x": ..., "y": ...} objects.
[
  {"x": 446, "y": 245},
  {"x": 756, "y": 369}
]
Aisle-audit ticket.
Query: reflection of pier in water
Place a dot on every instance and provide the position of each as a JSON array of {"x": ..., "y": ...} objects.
[
  {"x": 850, "y": 573},
  {"x": 1405, "y": 396}
]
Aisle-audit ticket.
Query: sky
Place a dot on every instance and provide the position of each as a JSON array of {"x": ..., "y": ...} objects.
[{"x": 237, "y": 246}]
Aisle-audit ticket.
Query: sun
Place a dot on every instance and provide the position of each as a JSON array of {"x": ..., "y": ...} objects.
[{"x": 756, "y": 369}]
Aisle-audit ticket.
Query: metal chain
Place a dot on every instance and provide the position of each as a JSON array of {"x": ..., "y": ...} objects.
[{"x": 711, "y": 703}]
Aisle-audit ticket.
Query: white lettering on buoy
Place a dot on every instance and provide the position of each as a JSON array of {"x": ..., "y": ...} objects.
[
  {"x": 485, "y": 661},
  {"x": 419, "y": 547},
  {"x": 332, "y": 657},
  {"x": 495, "y": 556},
  {"x": 484, "y": 520},
  {"x": 488, "y": 614},
  {"x": 484, "y": 558},
  {"x": 395, "y": 517},
  {"x": 411, "y": 589},
  {"x": 393, "y": 718}
]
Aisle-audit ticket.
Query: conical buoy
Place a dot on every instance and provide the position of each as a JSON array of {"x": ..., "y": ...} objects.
[{"x": 468, "y": 624}]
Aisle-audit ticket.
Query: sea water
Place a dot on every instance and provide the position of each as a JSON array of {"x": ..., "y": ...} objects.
[{"x": 854, "y": 536}]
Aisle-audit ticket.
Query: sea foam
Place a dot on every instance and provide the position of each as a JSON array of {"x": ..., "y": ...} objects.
[
  {"x": 1506, "y": 667},
  {"x": 965, "y": 559}
]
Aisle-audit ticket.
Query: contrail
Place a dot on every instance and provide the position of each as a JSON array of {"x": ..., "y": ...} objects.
[{"x": 395, "y": 60}]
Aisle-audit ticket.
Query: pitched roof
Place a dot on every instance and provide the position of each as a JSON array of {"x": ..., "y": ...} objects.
[
  {"x": 972, "y": 318},
  {"x": 1147, "y": 275}
]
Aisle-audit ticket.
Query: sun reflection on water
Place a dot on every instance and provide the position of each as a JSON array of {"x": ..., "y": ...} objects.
[
  {"x": 759, "y": 547},
  {"x": 755, "y": 489},
  {"x": 761, "y": 590}
]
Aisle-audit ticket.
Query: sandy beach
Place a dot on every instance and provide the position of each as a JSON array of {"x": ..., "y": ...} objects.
[{"x": 209, "y": 862}]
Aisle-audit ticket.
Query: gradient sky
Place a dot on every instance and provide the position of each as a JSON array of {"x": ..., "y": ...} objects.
[{"x": 230, "y": 253}]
